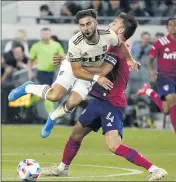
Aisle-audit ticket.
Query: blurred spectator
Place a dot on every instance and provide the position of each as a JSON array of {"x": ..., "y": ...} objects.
[
  {"x": 98, "y": 6},
  {"x": 43, "y": 51},
  {"x": 69, "y": 9},
  {"x": 139, "y": 48},
  {"x": 45, "y": 12},
  {"x": 161, "y": 8},
  {"x": 22, "y": 38},
  {"x": 136, "y": 10},
  {"x": 115, "y": 7},
  {"x": 157, "y": 36},
  {"x": 171, "y": 10},
  {"x": 14, "y": 59}
]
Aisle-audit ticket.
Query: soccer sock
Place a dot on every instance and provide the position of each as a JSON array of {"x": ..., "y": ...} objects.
[
  {"x": 155, "y": 98},
  {"x": 173, "y": 116},
  {"x": 38, "y": 90},
  {"x": 133, "y": 156},
  {"x": 60, "y": 112},
  {"x": 70, "y": 151}
]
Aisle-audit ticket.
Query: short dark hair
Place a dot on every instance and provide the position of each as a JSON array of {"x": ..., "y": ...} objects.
[
  {"x": 170, "y": 20},
  {"x": 145, "y": 33},
  {"x": 44, "y": 7},
  {"x": 16, "y": 44},
  {"x": 130, "y": 23},
  {"x": 46, "y": 29},
  {"x": 84, "y": 13}
]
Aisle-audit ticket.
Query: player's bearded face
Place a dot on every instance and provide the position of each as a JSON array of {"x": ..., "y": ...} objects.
[
  {"x": 88, "y": 27},
  {"x": 45, "y": 35},
  {"x": 172, "y": 27}
]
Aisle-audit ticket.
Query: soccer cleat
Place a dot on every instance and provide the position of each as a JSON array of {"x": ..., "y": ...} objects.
[
  {"x": 46, "y": 130},
  {"x": 18, "y": 92},
  {"x": 142, "y": 91},
  {"x": 54, "y": 171},
  {"x": 157, "y": 174}
]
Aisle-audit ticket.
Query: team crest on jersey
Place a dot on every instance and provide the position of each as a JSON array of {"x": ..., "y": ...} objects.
[
  {"x": 166, "y": 87},
  {"x": 105, "y": 48}
]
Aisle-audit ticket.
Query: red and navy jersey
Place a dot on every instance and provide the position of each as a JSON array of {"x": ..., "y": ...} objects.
[
  {"x": 165, "y": 51},
  {"x": 119, "y": 76}
]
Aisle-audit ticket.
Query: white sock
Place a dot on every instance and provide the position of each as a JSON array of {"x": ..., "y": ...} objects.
[
  {"x": 60, "y": 112},
  {"x": 38, "y": 90},
  {"x": 149, "y": 91},
  {"x": 153, "y": 167},
  {"x": 63, "y": 166}
]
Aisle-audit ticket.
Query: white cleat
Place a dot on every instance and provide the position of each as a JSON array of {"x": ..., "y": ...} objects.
[
  {"x": 53, "y": 171},
  {"x": 157, "y": 174}
]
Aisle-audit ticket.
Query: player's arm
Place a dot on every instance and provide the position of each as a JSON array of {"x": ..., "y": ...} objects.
[
  {"x": 110, "y": 61},
  {"x": 153, "y": 53},
  {"x": 74, "y": 56},
  {"x": 116, "y": 42},
  {"x": 32, "y": 57}
]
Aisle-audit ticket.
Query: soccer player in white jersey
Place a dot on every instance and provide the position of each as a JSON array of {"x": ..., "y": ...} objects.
[{"x": 87, "y": 48}]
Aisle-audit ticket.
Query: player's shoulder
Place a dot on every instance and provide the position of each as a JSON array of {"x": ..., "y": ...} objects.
[
  {"x": 162, "y": 41},
  {"x": 77, "y": 38},
  {"x": 36, "y": 45},
  {"x": 104, "y": 31}
]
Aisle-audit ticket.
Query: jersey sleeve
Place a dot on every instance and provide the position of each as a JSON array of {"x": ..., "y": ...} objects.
[
  {"x": 33, "y": 52},
  {"x": 114, "y": 39},
  {"x": 155, "y": 49},
  {"x": 110, "y": 57},
  {"x": 60, "y": 49},
  {"x": 74, "y": 52}
]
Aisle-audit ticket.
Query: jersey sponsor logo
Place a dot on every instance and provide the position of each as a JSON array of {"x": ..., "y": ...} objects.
[
  {"x": 169, "y": 55},
  {"x": 94, "y": 59},
  {"x": 166, "y": 87}
]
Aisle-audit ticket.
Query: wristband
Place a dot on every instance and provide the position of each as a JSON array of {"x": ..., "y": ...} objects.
[{"x": 95, "y": 78}]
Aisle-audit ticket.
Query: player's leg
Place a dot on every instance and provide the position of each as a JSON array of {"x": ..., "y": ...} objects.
[
  {"x": 154, "y": 96},
  {"x": 84, "y": 126},
  {"x": 171, "y": 101},
  {"x": 64, "y": 80},
  {"x": 113, "y": 129},
  {"x": 79, "y": 93}
]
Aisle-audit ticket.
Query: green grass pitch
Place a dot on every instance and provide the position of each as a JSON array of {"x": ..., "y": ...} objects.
[{"x": 94, "y": 162}]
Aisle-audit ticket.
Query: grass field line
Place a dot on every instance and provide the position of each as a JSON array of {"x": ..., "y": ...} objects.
[
  {"x": 130, "y": 172},
  {"x": 60, "y": 154}
]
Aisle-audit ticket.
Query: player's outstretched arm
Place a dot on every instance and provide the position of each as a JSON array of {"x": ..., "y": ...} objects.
[
  {"x": 83, "y": 74},
  {"x": 130, "y": 60},
  {"x": 153, "y": 74}
]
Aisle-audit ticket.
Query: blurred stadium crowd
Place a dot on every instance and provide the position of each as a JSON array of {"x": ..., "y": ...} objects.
[{"x": 16, "y": 52}]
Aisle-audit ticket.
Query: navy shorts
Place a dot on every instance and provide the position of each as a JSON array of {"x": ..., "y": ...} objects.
[
  {"x": 45, "y": 77},
  {"x": 166, "y": 86},
  {"x": 101, "y": 113}
]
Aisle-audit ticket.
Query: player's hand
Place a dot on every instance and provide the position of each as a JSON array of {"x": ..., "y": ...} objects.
[
  {"x": 104, "y": 82},
  {"x": 153, "y": 76},
  {"x": 57, "y": 60},
  {"x": 134, "y": 65}
]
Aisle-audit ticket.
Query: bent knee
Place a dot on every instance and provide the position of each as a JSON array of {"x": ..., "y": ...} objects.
[
  {"x": 113, "y": 148},
  {"x": 72, "y": 103},
  {"x": 54, "y": 95}
]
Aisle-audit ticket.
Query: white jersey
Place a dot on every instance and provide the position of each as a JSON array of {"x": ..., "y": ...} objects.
[{"x": 91, "y": 54}]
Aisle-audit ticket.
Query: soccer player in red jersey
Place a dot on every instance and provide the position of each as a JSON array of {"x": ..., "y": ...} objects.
[
  {"x": 165, "y": 51},
  {"x": 107, "y": 108}
]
